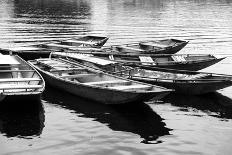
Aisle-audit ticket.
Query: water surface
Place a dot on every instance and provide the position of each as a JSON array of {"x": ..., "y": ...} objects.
[{"x": 63, "y": 124}]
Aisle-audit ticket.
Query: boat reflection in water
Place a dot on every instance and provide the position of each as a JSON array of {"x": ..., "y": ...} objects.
[
  {"x": 139, "y": 118},
  {"x": 214, "y": 104},
  {"x": 22, "y": 120}
]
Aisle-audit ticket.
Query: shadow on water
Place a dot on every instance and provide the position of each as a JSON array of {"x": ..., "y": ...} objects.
[
  {"x": 139, "y": 119},
  {"x": 210, "y": 103},
  {"x": 22, "y": 119}
]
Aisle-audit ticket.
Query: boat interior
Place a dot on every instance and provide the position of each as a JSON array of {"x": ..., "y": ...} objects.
[
  {"x": 167, "y": 74},
  {"x": 84, "y": 41},
  {"x": 148, "y": 45},
  {"x": 79, "y": 74},
  {"x": 17, "y": 76},
  {"x": 161, "y": 59}
]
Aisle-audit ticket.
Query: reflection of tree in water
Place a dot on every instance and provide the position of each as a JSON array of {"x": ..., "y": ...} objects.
[
  {"x": 210, "y": 103},
  {"x": 52, "y": 8},
  {"x": 139, "y": 118},
  {"x": 23, "y": 120}
]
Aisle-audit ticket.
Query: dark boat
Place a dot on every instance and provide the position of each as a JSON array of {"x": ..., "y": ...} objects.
[
  {"x": 98, "y": 86},
  {"x": 191, "y": 62},
  {"x": 166, "y": 46},
  {"x": 82, "y": 43},
  {"x": 185, "y": 82}
]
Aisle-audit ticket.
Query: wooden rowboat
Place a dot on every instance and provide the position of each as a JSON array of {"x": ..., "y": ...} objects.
[
  {"x": 185, "y": 82},
  {"x": 191, "y": 62},
  {"x": 86, "y": 41},
  {"x": 88, "y": 83},
  {"x": 43, "y": 50},
  {"x": 166, "y": 46},
  {"x": 83, "y": 43},
  {"x": 19, "y": 79}
]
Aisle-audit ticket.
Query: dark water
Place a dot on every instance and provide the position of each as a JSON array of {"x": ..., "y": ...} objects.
[{"x": 64, "y": 124}]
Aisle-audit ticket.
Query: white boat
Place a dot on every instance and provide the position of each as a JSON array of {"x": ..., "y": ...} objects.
[
  {"x": 95, "y": 85},
  {"x": 19, "y": 79}
]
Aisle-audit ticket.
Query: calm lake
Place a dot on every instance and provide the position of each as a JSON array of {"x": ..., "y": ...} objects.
[{"x": 64, "y": 124}]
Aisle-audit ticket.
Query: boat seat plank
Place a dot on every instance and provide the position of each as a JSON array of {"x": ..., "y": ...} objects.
[
  {"x": 178, "y": 58},
  {"x": 154, "y": 45},
  {"x": 19, "y": 79},
  {"x": 130, "y": 48},
  {"x": 108, "y": 82},
  {"x": 146, "y": 60},
  {"x": 131, "y": 87},
  {"x": 20, "y": 86},
  {"x": 77, "y": 75}
]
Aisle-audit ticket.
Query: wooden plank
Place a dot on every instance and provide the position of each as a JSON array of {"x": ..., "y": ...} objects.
[
  {"x": 108, "y": 82},
  {"x": 20, "y": 86},
  {"x": 19, "y": 79},
  {"x": 178, "y": 58},
  {"x": 146, "y": 59}
]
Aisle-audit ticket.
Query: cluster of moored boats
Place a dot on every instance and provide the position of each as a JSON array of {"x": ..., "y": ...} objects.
[{"x": 118, "y": 74}]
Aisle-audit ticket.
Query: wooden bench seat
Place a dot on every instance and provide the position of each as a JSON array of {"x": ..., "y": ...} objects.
[
  {"x": 108, "y": 82},
  {"x": 178, "y": 58},
  {"x": 77, "y": 75},
  {"x": 19, "y": 79},
  {"x": 20, "y": 86},
  {"x": 154, "y": 44},
  {"x": 132, "y": 87}
]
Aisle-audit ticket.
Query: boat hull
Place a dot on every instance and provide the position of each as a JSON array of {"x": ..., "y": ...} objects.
[
  {"x": 172, "y": 50},
  {"x": 20, "y": 82},
  {"x": 6, "y": 98},
  {"x": 192, "y": 88},
  {"x": 105, "y": 96},
  {"x": 189, "y": 66}
]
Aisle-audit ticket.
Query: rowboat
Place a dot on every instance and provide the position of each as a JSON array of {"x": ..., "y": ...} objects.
[
  {"x": 43, "y": 50},
  {"x": 191, "y": 62},
  {"x": 86, "y": 41},
  {"x": 185, "y": 82},
  {"x": 27, "y": 52},
  {"x": 166, "y": 46},
  {"x": 18, "y": 79},
  {"x": 82, "y": 43},
  {"x": 95, "y": 85}
]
